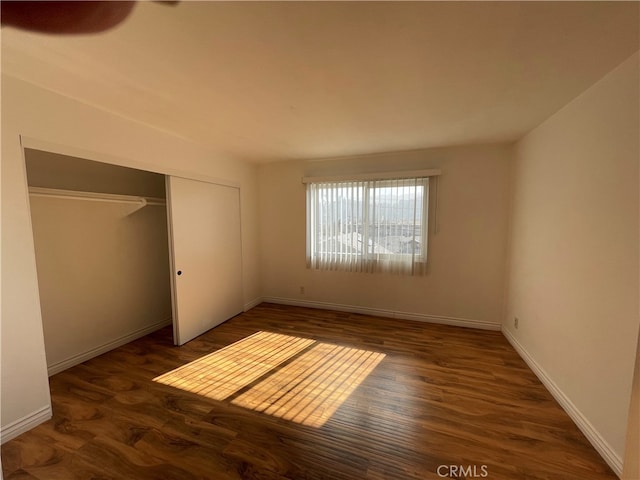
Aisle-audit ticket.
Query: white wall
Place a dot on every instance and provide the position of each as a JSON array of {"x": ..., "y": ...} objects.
[
  {"x": 103, "y": 274},
  {"x": 465, "y": 283},
  {"x": 573, "y": 275},
  {"x": 86, "y": 132}
]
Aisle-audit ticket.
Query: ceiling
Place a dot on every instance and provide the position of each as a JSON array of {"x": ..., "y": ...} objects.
[{"x": 268, "y": 81}]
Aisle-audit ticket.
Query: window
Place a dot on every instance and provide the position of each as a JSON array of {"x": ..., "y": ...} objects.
[{"x": 368, "y": 225}]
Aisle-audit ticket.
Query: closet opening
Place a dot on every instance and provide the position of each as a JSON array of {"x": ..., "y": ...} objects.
[{"x": 102, "y": 254}]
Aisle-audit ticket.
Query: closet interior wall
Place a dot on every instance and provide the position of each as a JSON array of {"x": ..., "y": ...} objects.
[{"x": 103, "y": 266}]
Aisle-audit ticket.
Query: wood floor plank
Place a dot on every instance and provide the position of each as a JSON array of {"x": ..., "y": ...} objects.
[{"x": 439, "y": 396}]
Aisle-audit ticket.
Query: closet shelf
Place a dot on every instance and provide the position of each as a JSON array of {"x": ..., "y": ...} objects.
[{"x": 96, "y": 197}]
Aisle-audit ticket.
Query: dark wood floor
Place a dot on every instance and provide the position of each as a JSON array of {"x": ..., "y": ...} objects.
[{"x": 440, "y": 396}]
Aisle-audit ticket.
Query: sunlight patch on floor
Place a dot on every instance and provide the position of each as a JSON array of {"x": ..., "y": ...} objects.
[
  {"x": 225, "y": 371},
  {"x": 307, "y": 389},
  {"x": 311, "y": 388}
]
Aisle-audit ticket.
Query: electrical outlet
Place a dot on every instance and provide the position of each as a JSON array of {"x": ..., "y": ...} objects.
[
  {"x": 302, "y": 290},
  {"x": 515, "y": 322}
]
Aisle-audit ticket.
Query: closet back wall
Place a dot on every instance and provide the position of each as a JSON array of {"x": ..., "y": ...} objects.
[{"x": 103, "y": 268}]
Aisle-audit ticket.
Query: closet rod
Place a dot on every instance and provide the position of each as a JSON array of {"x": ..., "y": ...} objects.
[{"x": 95, "y": 197}]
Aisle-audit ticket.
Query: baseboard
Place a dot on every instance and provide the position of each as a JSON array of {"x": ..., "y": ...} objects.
[
  {"x": 25, "y": 423},
  {"x": 599, "y": 443},
  {"x": 379, "y": 312},
  {"x": 99, "y": 350},
  {"x": 253, "y": 303}
]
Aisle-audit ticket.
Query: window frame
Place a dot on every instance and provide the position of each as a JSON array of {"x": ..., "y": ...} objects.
[{"x": 365, "y": 259}]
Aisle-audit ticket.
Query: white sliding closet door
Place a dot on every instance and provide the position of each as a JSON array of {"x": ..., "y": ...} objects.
[{"x": 206, "y": 257}]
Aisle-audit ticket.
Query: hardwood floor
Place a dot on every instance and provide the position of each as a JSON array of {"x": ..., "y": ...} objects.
[{"x": 440, "y": 402}]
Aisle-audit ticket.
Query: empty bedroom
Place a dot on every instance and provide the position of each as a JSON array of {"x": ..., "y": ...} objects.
[{"x": 320, "y": 240}]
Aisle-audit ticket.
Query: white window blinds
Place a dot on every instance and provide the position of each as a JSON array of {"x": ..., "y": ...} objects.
[{"x": 368, "y": 225}]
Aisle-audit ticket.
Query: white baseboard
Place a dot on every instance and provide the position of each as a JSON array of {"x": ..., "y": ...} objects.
[
  {"x": 253, "y": 303},
  {"x": 99, "y": 350},
  {"x": 599, "y": 443},
  {"x": 379, "y": 312},
  {"x": 25, "y": 423}
]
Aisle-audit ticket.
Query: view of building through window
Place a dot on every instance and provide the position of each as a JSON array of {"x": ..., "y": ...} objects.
[{"x": 371, "y": 218}]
